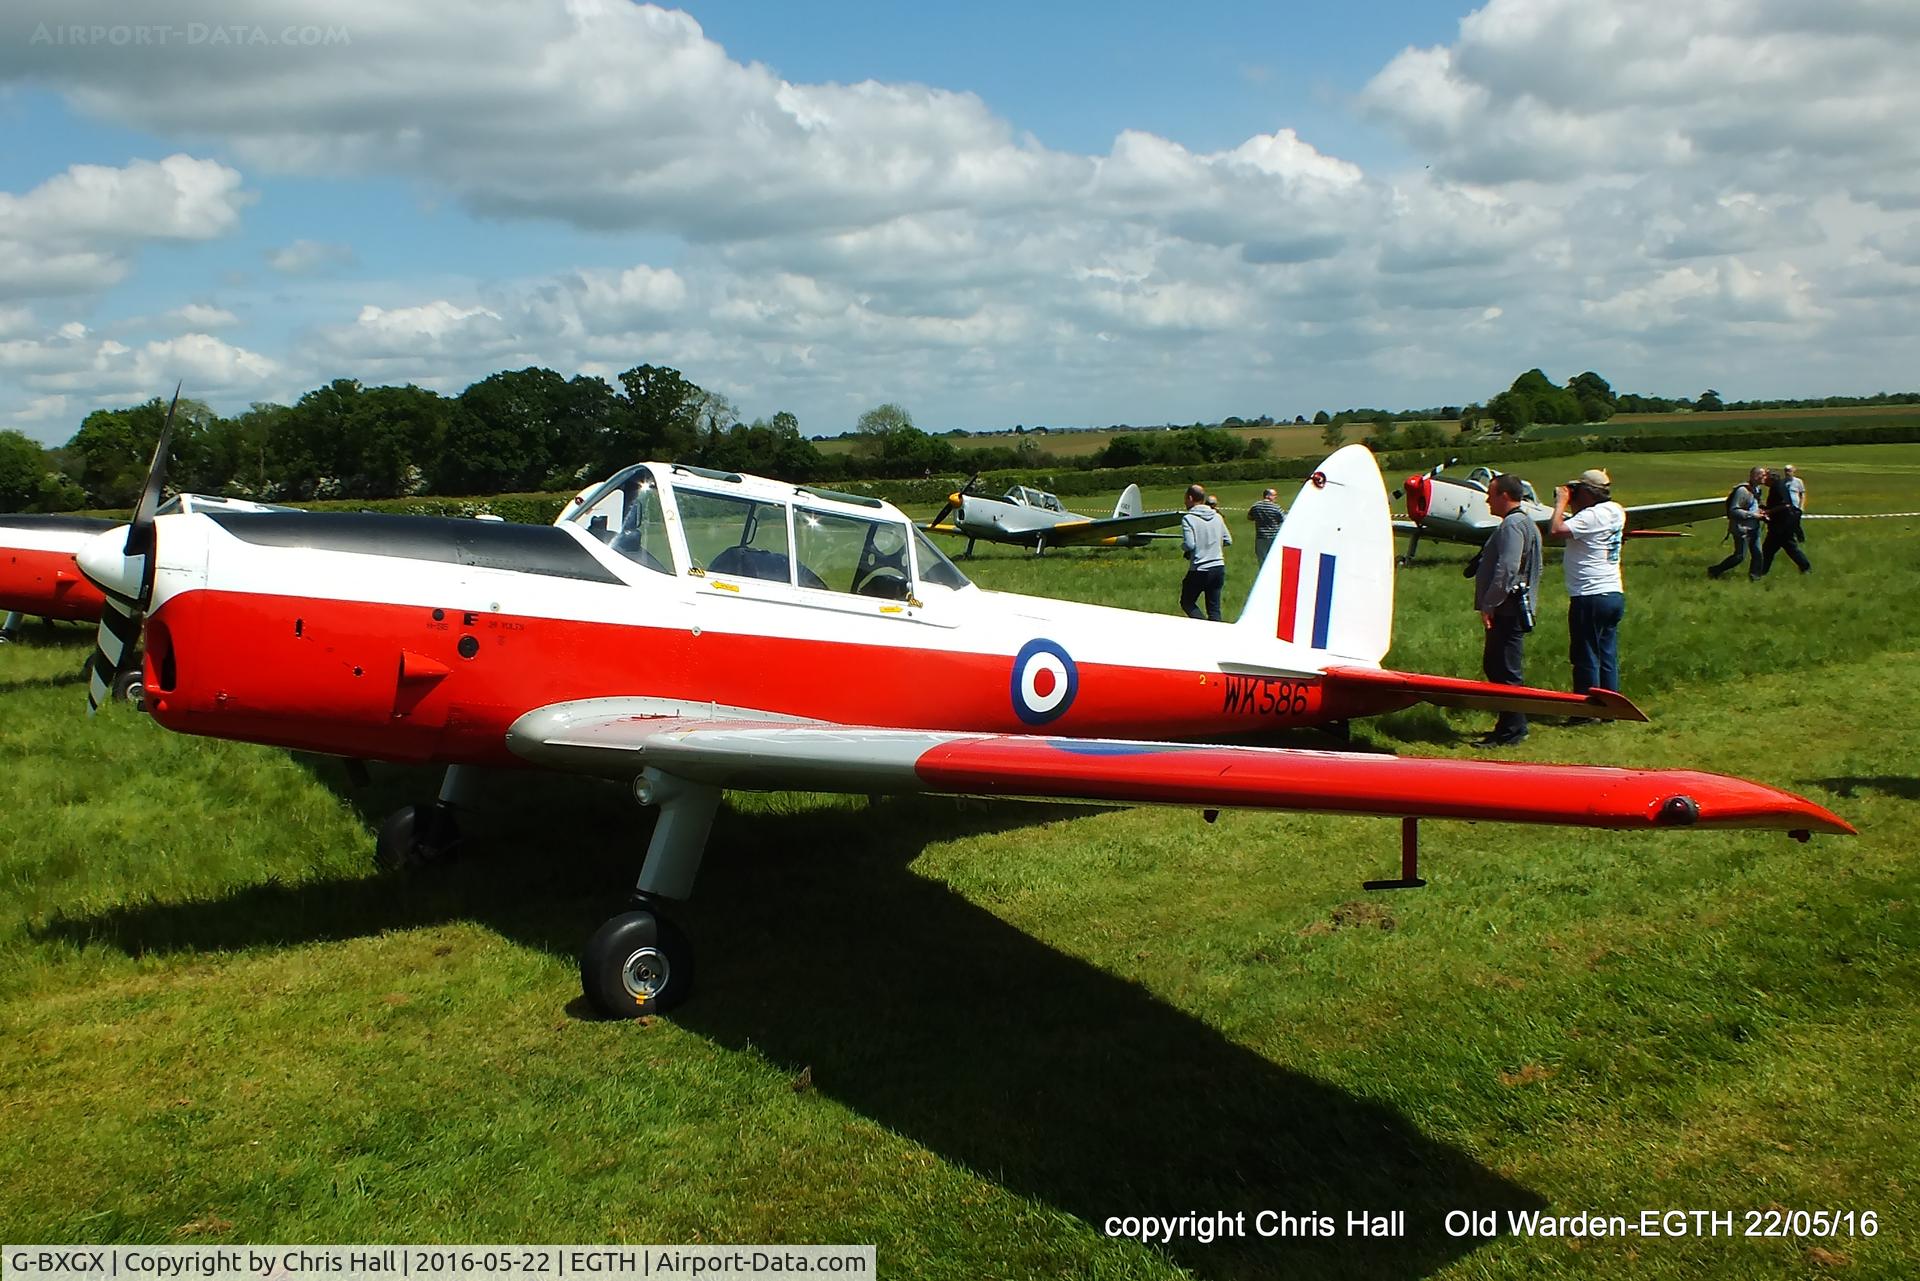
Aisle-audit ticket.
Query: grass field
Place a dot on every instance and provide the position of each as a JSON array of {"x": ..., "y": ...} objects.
[{"x": 969, "y": 1033}]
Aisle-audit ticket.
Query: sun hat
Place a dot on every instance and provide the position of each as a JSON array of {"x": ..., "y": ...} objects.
[{"x": 1595, "y": 479}]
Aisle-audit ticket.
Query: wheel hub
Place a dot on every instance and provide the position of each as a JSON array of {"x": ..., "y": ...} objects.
[{"x": 644, "y": 974}]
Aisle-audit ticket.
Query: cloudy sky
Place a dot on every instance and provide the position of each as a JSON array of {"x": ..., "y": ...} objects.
[{"x": 1098, "y": 212}]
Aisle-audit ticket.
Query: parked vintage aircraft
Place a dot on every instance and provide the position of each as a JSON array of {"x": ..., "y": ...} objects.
[
  {"x": 1453, "y": 507},
  {"x": 689, "y": 630},
  {"x": 1034, "y": 518},
  {"x": 38, "y": 576}
]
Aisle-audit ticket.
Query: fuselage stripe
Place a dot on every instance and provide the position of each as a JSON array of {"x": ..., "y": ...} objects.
[
  {"x": 1289, "y": 591},
  {"x": 1323, "y": 601}
]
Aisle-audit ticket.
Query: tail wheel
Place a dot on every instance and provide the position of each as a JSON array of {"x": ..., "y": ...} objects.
[{"x": 637, "y": 963}]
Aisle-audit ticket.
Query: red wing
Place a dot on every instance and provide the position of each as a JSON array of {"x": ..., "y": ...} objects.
[{"x": 597, "y": 737}]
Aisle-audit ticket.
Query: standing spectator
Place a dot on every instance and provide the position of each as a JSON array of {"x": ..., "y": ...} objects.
[
  {"x": 1202, "y": 539},
  {"x": 1226, "y": 535},
  {"x": 1594, "y": 526},
  {"x": 1783, "y": 529},
  {"x": 1267, "y": 517},
  {"x": 1506, "y": 591},
  {"x": 1743, "y": 522},
  {"x": 1799, "y": 488}
]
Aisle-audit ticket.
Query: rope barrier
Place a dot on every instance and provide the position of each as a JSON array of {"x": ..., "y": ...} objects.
[{"x": 1858, "y": 515}]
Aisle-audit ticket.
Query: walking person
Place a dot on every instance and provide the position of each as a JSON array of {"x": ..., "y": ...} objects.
[
  {"x": 1743, "y": 522},
  {"x": 1203, "y": 540},
  {"x": 1594, "y": 526},
  {"x": 1267, "y": 516},
  {"x": 1506, "y": 591},
  {"x": 1782, "y": 515}
]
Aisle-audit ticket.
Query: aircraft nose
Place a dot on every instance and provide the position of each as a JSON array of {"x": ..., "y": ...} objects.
[{"x": 104, "y": 560}]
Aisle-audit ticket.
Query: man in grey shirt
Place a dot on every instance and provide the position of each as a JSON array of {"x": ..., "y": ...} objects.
[
  {"x": 1506, "y": 591},
  {"x": 1743, "y": 523},
  {"x": 1203, "y": 539},
  {"x": 1267, "y": 517}
]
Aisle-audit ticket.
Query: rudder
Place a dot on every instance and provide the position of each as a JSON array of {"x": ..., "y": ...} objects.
[{"x": 1327, "y": 584}]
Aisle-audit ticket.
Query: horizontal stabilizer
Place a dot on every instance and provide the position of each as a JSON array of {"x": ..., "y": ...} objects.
[{"x": 1484, "y": 696}]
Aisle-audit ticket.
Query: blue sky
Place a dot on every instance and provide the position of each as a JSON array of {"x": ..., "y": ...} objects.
[{"x": 997, "y": 213}]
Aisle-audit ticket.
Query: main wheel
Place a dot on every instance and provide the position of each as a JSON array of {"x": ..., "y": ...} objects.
[
  {"x": 637, "y": 963},
  {"x": 414, "y": 836},
  {"x": 127, "y": 688}
]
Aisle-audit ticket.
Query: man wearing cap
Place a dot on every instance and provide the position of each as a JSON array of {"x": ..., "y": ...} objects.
[
  {"x": 1594, "y": 526},
  {"x": 1797, "y": 489}
]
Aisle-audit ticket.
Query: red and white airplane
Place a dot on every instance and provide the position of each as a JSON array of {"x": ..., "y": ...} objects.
[{"x": 690, "y": 630}]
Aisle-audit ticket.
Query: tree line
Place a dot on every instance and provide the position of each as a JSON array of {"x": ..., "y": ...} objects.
[
  {"x": 534, "y": 429},
  {"x": 511, "y": 432}
]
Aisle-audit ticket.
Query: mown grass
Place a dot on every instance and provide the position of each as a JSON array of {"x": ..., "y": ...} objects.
[{"x": 217, "y": 1024}]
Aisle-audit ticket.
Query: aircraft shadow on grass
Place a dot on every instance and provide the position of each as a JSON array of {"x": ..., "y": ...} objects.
[
  {"x": 821, "y": 948},
  {"x": 1903, "y": 786}
]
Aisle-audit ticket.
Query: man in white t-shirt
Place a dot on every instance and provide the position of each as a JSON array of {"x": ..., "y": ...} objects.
[{"x": 1594, "y": 526}]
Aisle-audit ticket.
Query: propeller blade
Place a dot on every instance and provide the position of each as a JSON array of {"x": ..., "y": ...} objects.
[
  {"x": 953, "y": 500},
  {"x": 118, "y": 636},
  {"x": 140, "y": 530},
  {"x": 119, "y": 633}
]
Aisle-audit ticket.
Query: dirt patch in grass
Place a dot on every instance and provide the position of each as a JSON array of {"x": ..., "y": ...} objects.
[{"x": 1358, "y": 914}]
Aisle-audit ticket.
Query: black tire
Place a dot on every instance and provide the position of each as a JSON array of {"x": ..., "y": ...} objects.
[
  {"x": 635, "y": 964},
  {"x": 414, "y": 836},
  {"x": 127, "y": 688}
]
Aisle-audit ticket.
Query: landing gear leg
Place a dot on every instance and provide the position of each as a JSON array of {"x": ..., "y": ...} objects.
[
  {"x": 416, "y": 835},
  {"x": 1413, "y": 547},
  {"x": 1409, "y": 860},
  {"x": 9, "y": 626},
  {"x": 639, "y": 962},
  {"x": 970, "y": 549}
]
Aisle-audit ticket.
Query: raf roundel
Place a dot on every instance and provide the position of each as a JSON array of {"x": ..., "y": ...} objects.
[{"x": 1045, "y": 681}]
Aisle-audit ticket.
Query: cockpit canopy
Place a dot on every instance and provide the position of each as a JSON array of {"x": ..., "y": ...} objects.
[
  {"x": 1481, "y": 477},
  {"x": 747, "y": 527},
  {"x": 1028, "y": 497}
]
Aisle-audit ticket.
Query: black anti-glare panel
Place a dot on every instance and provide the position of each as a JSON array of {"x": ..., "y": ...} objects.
[
  {"x": 60, "y": 524},
  {"x": 485, "y": 544}
]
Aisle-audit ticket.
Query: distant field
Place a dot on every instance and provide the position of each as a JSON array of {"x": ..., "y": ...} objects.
[
  {"x": 972, "y": 1032},
  {"x": 1803, "y": 417},
  {"x": 1754, "y": 419},
  {"x": 1291, "y": 441}
]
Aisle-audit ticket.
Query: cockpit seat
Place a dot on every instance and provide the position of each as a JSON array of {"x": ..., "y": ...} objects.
[{"x": 751, "y": 562}]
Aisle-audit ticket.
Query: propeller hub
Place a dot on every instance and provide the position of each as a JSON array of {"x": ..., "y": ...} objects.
[{"x": 104, "y": 560}]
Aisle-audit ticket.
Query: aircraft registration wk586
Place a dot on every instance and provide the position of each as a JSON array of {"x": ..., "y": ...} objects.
[{"x": 690, "y": 630}]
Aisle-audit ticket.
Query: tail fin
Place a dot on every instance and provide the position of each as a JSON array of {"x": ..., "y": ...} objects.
[
  {"x": 1327, "y": 584},
  {"x": 1130, "y": 504}
]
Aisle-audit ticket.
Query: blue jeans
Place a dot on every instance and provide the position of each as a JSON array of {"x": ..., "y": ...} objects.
[
  {"x": 1746, "y": 542},
  {"x": 1199, "y": 582},
  {"x": 1593, "y": 627}
]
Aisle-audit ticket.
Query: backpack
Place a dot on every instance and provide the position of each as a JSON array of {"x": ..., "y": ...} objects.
[{"x": 1733, "y": 521}]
